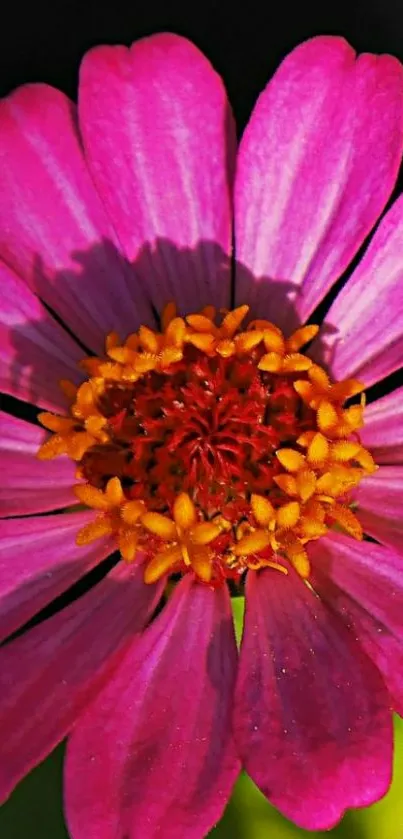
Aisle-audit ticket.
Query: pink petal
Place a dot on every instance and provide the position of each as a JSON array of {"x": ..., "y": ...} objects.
[
  {"x": 363, "y": 582},
  {"x": 29, "y": 485},
  {"x": 362, "y": 334},
  {"x": 383, "y": 429},
  {"x": 35, "y": 352},
  {"x": 380, "y": 506},
  {"x": 55, "y": 232},
  {"x": 39, "y": 560},
  {"x": 160, "y": 143},
  {"x": 153, "y": 755},
  {"x": 312, "y": 719},
  {"x": 317, "y": 164},
  {"x": 50, "y": 674}
]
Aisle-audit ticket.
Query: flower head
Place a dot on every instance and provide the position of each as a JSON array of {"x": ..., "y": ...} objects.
[{"x": 200, "y": 427}]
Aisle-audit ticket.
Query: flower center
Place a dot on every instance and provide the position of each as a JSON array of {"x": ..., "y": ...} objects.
[{"x": 212, "y": 448}]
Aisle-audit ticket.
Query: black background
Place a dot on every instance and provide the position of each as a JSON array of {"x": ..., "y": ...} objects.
[{"x": 244, "y": 39}]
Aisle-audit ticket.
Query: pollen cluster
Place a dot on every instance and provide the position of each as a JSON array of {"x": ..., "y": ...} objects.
[{"x": 212, "y": 448}]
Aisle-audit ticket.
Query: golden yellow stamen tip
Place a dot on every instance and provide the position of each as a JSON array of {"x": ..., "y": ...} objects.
[
  {"x": 149, "y": 339},
  {"x": 94, "y": 530},
  {"x": 201, "y": 340},
  {"x": 301, "y": 337},
  {"x": 304, "y": 390},
  {"x": 287, "y": 483},
  {"x": 290, "y": 459},
  {"x": 168, "y": 314},
  {"x": 225, "y": 348},
  {"x": 233, "y": 320},
  {"x": 170, "y": 355},
  {"x": 296, "y": 363},
  {"x": 114, "y": 492},
  {"x": 201, "y": 562},
  {"x": 273, "y": 341},
  {"x": 175, "y": 332},
  {"x": 306, "y": 483},
  {"x": 252, "y": 543},
  {"x": 267, "y": 563},
  {"x": 128, "y": 540},
  {"x": 318, "y": 377},
  {"x": 51, "y": 448},
  {"x": 318, "y": 449},
  {"x": 91, "y": 497},
  {"x": 162, "y": 563},
  {"x": 55, "y": 423},
  {"x": 204, "y": 533},
  {"x": 270, "y": 363},
  {"x": 184, "y": 511},
  {"x": 159, "y": 525},
  {"x": 299, "y": 559},
  {"x": 247, "y": 341},
  {"x": 201, "y": 323},
  {"x": 347, "y": 520},
  {"x": 326, "y": 416},
  {"x": 132, "y": 511},
  {"x": 344, "y": 450},
  {"x": 262, "y": 509},
  {"x": 288, "y": 515}
]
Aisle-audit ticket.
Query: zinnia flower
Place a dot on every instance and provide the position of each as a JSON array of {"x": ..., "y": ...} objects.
[{"x": 209, "y": 437}]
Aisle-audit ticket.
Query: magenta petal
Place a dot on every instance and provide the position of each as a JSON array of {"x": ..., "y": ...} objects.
[
  {"x": 317, "y": 164},
  {"x": 39, "y": 559},
  {"x": 380, "y": 506},
  {"x": 383, "y": 429},
  {"x": 160, "y": 143},
  {"x": 312, "y": 719},
  {"x": 35, "y": 352},
  {"x": 54, "y": 229},
  {"x": 153, "y": 756},
  {"x": 29, "y": 485},
  {"x": 363, "y": 582},
  {"x": 49, "y": 675},
  {"x": 362, "y": 334}
]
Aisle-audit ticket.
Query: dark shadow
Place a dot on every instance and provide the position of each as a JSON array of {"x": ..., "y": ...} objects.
[
  {"x": 193, "y": 277},
  {"x": 75, "y": 590}
]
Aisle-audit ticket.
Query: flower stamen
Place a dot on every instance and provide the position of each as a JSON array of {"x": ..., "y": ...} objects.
[{"x": 212, "y": 448}]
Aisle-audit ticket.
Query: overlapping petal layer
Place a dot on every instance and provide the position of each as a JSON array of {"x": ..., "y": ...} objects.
[
  {"x": 316, "y": 166},
  {"x": 29, "y": 485},
  {"x": 364, "y": 584},
  {"x": 311, "y": 712},
  {"x": 362, "y": 334},
  {"x": 35, "y": 351},
  {"x": 383, "y": 429},
  {"x": 380, "y": 506},
  {"x": 153, "y": 756},
  {"x": 50, "y": 674},
  {"x": 39, "y": 560},
  {"x": 160, "y": 143},
  {"x": 54, "y": 230}
]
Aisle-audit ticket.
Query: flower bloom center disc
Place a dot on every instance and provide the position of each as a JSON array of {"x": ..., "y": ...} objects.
[{"x": 212, "y": 448}]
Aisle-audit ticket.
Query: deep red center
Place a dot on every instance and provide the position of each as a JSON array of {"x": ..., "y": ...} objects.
[{"x": 209, "y": 426}]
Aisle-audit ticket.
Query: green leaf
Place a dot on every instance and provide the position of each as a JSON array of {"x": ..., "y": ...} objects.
[
  {"x": 238, "y": 611},
  {"x": 34, "y": 811}
]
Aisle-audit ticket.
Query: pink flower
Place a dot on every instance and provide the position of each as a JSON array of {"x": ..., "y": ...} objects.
[{"x": 104, "y": 221}]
